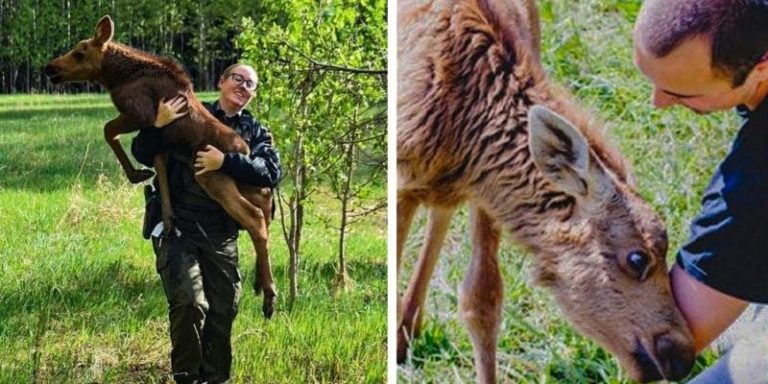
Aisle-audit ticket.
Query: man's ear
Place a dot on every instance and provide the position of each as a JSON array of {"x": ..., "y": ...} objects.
[
  {"x": 105, "y": 29},
  {"x": 559, "y": 150},
  {"x": 761, "y": 69}
]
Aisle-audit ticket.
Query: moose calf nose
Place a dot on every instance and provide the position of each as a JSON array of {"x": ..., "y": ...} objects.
[{"x": 674, "y": 357}]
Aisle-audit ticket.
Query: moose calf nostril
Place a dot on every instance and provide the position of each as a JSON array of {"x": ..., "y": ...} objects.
[
  {"x": 676, "y": 360},
  {"x": 664, "y": 345}
]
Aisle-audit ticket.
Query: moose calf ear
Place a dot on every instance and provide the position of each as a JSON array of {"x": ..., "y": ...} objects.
[
  {"x": 559, "y": 150},
  {"x": 105, "y": 29}
]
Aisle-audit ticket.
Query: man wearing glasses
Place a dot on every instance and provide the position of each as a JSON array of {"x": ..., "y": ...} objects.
[
  {"x": 707, "y": 56},
  {"x": 199, "y": 264}
]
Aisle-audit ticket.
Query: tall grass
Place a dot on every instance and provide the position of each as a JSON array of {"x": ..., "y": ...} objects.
[
  {"x": 587, "y": 47},
  {"x": 81, "y": 301}
]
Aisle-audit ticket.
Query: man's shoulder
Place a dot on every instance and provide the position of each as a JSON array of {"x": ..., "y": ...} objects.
[{"x": 252, "y": 122}]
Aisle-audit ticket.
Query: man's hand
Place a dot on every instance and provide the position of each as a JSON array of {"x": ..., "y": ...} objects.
[
  {"x": 168, "y": 111},
  {"x": 209, "y": 159}
]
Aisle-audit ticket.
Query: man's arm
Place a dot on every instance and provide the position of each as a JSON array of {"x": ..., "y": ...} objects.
[
  {"x": 708, "y": 311},
  {"x": 146, "y": 145},
  {"x": 260, "y": 168}
]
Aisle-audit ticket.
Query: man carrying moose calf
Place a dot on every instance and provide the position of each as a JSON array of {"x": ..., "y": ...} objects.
[{"x": 198, "y": 262}]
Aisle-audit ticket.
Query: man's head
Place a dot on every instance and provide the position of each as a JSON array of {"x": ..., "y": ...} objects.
[
  {"x": 238, "y": 86},
  {"x": 706, "y": 55}
]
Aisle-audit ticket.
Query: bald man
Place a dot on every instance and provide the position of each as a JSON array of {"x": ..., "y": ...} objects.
[
  {"x": 199, "y": 265},
  {"x": 707, "y": 56}
]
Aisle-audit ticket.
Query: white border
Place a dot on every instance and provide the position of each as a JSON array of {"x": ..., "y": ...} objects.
[{"x": 391, "y": 191}]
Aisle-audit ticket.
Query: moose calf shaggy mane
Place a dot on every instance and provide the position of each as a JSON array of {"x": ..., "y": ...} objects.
[
  {"x": 478, "y": 122},
  {"x": 137, "y": 81}
]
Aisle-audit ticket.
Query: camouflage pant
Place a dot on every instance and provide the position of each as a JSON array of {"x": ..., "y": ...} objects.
[{"x": 202, "y": 284}]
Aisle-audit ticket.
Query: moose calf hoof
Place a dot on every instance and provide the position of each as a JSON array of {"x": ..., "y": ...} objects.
[
  {"x": 140, "y": 175},
  {"x": 268, "y": 307},
  {"x": 402, "y": 346},
  {"x": 168, "y": 229}
]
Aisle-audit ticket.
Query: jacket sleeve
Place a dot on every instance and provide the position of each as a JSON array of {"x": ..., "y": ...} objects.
[
  {"x": 260, "y": 168},
  {"x": 146, "y": 145}
]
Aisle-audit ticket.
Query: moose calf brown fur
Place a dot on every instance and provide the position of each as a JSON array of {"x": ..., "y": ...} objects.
[
  {"x": 136, "y": 82},
  {"x": 478, "y": 122}
]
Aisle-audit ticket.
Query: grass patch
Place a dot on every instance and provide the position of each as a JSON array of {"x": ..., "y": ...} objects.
[{"x": 82, "y": 302}]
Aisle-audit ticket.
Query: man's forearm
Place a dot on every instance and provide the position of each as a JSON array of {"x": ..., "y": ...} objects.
[
  {"x": 707, "y": 311},
  {"x": 146, "y": 145}
]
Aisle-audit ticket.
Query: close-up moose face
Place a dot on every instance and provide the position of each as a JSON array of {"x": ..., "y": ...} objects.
[{"x": 606, "y": 264}]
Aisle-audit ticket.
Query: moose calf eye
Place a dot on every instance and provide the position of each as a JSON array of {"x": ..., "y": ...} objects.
[
  {"x": 639, "y": 262},
  {"x": 78, "y": 55}
]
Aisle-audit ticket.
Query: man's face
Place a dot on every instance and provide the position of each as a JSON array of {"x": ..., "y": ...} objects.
[
  {"x": 238, "y": 87},
  {"x": 685, "y": 77}
]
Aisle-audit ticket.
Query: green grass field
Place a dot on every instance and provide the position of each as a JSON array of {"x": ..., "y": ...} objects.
[
  {"x": 82, "y": 303},
  {"x": 587, "y": 48}
]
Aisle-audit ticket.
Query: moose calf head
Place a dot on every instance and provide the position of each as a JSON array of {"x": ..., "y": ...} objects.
[
  {"x": 606, "y": 264},
  {"x": 83, "y": 62}
]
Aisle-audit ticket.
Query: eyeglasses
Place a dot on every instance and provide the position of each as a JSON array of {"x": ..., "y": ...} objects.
[{"x": 240, "y": 80}]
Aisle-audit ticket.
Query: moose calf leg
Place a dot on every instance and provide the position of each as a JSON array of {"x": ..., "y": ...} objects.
[
  {"x": 413, "y": 301},
  {"x": 481, "y": 294},
  {"x": 254, "y": 221},
  {"x": 223, "y": 189},
  {"x": 264, "y": 281},
  {"x": 406, "y": 208},
  {"x": 160, "y": 162},
  {"x": 112, "y": 131}
]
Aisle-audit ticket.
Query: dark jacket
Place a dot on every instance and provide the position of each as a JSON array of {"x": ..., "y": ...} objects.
[{"x": 191, "y": 204}]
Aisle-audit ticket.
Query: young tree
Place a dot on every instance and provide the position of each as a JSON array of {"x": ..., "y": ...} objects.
[
  {"x": 319, "y": 62},
  {"x": 362, "y": 165}
]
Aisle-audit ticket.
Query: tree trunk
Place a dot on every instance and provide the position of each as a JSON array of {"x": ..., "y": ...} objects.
[
  {"x": 297, "y": 217},
  {"x": 342, "y": 279},
  {"x": 299, "y": 195},
  {"x": 28, "y": 83}
]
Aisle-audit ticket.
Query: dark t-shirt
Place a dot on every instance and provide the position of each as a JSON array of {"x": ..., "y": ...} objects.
[{"x": 728, "y": 245}]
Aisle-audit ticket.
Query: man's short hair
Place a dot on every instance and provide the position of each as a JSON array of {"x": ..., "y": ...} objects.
[{"x": 737, "y": 29}]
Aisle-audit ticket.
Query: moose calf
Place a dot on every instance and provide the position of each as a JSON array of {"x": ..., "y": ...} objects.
[{"x": 136, "y": 81}]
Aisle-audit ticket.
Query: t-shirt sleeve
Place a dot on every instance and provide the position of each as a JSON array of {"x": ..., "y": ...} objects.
[{"x": 727, "y": 248}]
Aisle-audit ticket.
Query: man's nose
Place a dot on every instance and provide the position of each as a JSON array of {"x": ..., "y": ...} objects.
[{"x": 662, "y": 99}]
